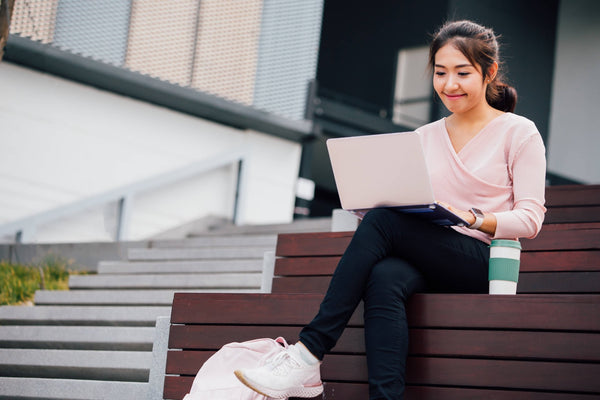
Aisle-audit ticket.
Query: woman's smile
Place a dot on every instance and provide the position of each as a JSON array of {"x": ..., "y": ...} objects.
[{"x": 454, "y": 96}]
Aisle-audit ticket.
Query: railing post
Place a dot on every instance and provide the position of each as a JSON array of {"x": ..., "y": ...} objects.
[
  {"x": 123, "y": 217},
  {"x": 240, "y": 190},
  {"x": 25, "y": 235}
]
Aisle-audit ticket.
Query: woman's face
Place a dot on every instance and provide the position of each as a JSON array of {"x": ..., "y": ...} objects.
[{"x": 459, "y": 84}]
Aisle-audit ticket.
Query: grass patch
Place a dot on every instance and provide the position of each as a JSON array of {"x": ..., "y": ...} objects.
[{"x": 18, "y": 282}]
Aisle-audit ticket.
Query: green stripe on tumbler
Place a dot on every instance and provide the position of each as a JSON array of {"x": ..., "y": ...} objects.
[
  {"x": 506, "y": 243},
  {"x": 504, "y": 269}
]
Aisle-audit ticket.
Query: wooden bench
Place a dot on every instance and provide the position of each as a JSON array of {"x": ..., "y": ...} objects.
[
  {"x": 572, "y": 204},
  {"x": 543, "y": 343},
  {"x": 562, "y": 259}
]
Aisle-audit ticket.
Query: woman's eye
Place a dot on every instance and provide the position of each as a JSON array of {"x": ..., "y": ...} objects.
[
  {"x": 440, "y": 73},
  {"x": 464, "y": 73}
]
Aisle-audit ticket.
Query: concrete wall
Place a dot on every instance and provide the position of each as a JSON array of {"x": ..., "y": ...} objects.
[
  {"x": 61, "y": 141},
  {"x": 574, "y": 137},
  {"x": 78, "y": 256}
]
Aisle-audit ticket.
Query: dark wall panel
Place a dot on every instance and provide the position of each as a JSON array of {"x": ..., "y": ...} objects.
[
  {"x": 360, "y": 41},
  {"x": 528, "y": 39}
]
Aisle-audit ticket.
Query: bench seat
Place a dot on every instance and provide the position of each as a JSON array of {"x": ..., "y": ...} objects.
[
  {"x": 543, "y": 343},
  {"x": 499, "y": 347}
]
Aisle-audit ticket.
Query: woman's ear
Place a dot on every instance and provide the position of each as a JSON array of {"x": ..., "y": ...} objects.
[{"x": 492, "y": 71}]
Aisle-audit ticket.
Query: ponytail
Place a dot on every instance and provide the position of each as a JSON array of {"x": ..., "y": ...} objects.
[{"x": 501, "y": 96}]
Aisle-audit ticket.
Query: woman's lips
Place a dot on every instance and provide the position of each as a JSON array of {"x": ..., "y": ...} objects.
[{"x": 453, "y": 96}]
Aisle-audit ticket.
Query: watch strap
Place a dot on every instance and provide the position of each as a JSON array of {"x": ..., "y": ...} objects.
[{"x": 479, "y": 217}]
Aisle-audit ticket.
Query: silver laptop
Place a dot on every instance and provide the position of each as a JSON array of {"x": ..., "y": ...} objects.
[{"x": 386, "y": 170}]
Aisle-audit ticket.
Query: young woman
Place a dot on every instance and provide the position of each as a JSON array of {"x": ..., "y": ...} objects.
[{"x": 487, "y": 164}]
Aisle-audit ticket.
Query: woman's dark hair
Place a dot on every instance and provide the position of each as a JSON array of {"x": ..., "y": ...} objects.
[{"x": 480, "y": 46}]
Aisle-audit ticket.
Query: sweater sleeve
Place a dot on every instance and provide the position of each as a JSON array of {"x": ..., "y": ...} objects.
[{"x": 529, "y": 180}]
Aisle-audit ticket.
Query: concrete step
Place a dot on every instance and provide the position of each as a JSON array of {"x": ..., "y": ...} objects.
[
  {"x": 77, "y": 337},
  {"x": 131, "y": 366},
  {"x": 219, "y": 241},
  {"x": 121, "y": 297},
  {"x": 175, "y": 267},
  {"x": 300, "y": 225},
  {"x": 82, "y": 315},
  {"x": 198, "y": 254},
  {"x": 69, "y": 389},
  {"x": 162, "y": 281}
]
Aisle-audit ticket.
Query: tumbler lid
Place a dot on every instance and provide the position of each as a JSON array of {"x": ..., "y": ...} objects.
[{"x": 506, "y": 243}]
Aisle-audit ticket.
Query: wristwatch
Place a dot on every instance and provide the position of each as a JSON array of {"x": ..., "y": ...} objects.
[{"x": 478, "y": 218}]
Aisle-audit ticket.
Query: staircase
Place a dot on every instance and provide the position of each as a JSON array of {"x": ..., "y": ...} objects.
[{"x": 95, "y": 340}]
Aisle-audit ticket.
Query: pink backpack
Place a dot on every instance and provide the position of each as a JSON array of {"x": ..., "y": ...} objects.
[{"x": 216, "y": 381}]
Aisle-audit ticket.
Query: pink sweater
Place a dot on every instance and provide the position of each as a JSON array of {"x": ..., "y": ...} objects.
[{"x": 501, "y": 170}]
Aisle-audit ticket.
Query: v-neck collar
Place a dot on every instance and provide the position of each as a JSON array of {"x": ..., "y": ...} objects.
[{"x": 468, "y": 144}]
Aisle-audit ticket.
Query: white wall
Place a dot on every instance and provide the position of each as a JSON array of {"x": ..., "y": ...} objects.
[
  {"x": 269, "y": 181},
  {"x": 574, "y": 138},
  {"x": 61, "y": 141}
]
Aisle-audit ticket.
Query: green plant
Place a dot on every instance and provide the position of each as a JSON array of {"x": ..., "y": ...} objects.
[{"x": 19, "y": 282}]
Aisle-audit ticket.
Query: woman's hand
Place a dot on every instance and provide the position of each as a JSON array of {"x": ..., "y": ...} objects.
[
  {"x": 466, "y": 215},
  {"x": 489, "y": 220}
]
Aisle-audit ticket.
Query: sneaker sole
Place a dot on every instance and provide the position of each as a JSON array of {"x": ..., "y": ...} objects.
[{"x": 304, "y": 392}]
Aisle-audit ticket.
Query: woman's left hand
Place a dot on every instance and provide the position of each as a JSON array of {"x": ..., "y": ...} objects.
[
  {"x": 489, "y": 221},
  {"x": 466, "y": 215}
]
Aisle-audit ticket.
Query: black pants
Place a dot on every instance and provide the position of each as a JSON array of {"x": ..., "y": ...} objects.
[{"x": 390, "y": 257}]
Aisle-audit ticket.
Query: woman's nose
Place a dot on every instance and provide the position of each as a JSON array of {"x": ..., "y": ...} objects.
[{"x": 451, "y": 83}]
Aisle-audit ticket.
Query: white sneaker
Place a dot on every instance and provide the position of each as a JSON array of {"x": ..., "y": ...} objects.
[{"x": 285, "y": 375}]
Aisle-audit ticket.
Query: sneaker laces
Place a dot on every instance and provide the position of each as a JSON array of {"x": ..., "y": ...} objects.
[{"x": 282, "y": 363}]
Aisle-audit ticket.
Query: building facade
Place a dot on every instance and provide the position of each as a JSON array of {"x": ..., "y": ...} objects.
[{"x": 99, "y": 96}]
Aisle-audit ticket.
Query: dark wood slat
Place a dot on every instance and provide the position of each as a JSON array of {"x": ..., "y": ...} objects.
[
  {"x": 452, "y": 393},
  {"x": 559, "y": 282},
  {"x": 572, "y": 195},
  {"x": 176, "y": 387},
  {"x": 301, "y": 284},
  {"x": 544, "y": 282},
  {"x": 575, "y": 377},
  {"x": 250, "y": 309},
  {"x": 334, "y": 243},
  {"x": 549, "y": 312},
  {"x": 345, "y": 391},
  {"x": 572, "y": 226},
  {"x": 555, "y": 261},
  {"x": 558, "y": 215},
  {"x": 550, "y": 376},
  {"x": 515, "y": 345},
  {"x": 213, "y": 337},
  {"x": 567, "y": 346},
  {"x": 531, "y": 261},
  {"x": 576, "y": 239},
  {"x": 206, "y": 337},
  {"x": 312, "y": 244},
  {"x": 306, "y": 265},
  {"x": 357, "y": 391},
  {"x": 186, "y": 362},
  {"x": 559, "y": 376}
]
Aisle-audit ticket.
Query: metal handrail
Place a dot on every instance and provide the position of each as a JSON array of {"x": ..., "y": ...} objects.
[{"x": 23, "y": 228}]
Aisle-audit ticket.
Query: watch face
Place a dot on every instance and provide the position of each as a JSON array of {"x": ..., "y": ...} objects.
[{"x": 477, "y": 212}]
